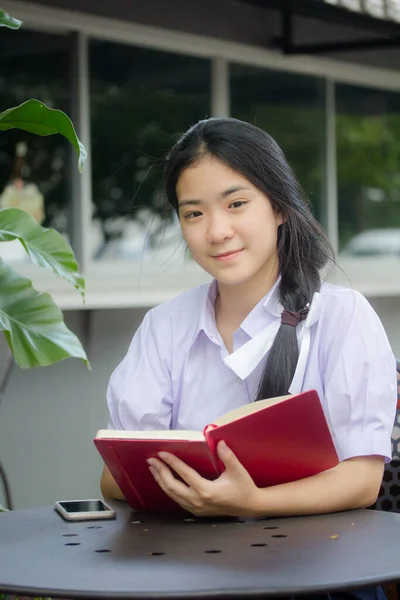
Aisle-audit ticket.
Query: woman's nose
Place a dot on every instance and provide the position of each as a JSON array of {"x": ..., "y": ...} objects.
[{"x": 219, "y": 229}]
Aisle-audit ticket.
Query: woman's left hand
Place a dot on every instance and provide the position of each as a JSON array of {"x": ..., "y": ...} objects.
[{"x": 232, "y": 494}]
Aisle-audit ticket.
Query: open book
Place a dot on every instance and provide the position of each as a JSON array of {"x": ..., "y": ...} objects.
[{"x": 277, "y": 440}]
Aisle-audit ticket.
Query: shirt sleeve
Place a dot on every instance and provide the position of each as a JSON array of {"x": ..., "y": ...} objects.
[
  {"x": 139, "y": 394},
  {"x": 360, "y": 384}
]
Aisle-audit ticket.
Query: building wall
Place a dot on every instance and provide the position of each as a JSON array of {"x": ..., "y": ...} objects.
[{"x": 49, "y": 416}]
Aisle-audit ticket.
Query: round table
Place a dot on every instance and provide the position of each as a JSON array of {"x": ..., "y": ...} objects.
[{"x": 138, "y": 556}]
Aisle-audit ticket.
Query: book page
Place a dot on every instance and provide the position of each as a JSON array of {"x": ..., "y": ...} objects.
[
  {"x": 248, "y": 409},
  {"x": 187, "y": 435},
  {"x": 167, "y": 434}
]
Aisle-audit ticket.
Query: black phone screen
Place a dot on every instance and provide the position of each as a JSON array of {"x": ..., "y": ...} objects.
[{"x": 81, "y": 506}]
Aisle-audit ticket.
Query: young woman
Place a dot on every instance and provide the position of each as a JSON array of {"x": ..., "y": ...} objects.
[{"x": 265, "y": 326}]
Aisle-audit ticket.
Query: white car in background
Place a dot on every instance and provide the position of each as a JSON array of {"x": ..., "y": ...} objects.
[{"x": 374, "y": 243}]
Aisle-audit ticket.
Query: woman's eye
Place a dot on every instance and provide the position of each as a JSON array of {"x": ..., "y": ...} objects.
[
  {"x": 193, "y": 214},
  {"x": 237, "y": 204}
]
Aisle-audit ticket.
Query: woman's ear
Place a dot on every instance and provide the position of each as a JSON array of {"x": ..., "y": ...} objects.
[{"x": 280, "y": 218}]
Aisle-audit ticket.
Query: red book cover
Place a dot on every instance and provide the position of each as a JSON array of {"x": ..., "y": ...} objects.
[
  {"x": 285, "y": 442},
  {"x": 126, "y": 460},
  {"x": 277, "y": 441}
]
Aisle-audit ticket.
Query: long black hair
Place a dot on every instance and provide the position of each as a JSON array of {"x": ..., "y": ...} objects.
[{"x": 303, "y": 249}]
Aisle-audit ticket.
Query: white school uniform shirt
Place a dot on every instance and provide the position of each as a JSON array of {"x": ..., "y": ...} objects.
[{"x": 177, "y": 373}]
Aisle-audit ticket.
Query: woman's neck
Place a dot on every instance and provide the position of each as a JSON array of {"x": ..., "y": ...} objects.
[{"x": 235, "y": 302}]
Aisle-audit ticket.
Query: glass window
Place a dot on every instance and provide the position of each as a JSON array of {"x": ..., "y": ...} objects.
[
  {"x": 34, "y": 170},
  {"x": 389, "y": 9},
  {"x": 352, "y": 4},
  {"x": 291, "y": 109},
  {"x": 141, "y": 101},
  {"x": 376, "y": 8},
  {"x": 393, "y": 9},
  {"x": 368, "y": 159}
]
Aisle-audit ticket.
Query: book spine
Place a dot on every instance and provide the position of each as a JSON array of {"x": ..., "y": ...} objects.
[{"x": 123, "y": 479}]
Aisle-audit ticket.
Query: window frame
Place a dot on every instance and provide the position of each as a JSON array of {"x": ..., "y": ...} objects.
[{"x": 112, "y": 285}]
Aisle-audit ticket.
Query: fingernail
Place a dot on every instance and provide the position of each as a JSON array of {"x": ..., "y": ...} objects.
[
  {"x": 223, "y": 446},
  {"x": 150, "y": 461},
  {"x": 162, "y": 455}
]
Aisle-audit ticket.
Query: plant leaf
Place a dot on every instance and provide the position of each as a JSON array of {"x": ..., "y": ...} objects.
[
  {"x": 33, "y": 324},
  {"x": 36, "y": 117},
  {"x": 7, "y": 21},
  {"x": 46, "y": 247}
]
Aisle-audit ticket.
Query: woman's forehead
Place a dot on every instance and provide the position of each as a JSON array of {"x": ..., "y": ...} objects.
[{"x": 210, "y": 174}]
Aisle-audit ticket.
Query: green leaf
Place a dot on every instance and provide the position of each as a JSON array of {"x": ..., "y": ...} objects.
[
  {"x": 7, "y": 21},
  {"x": 33, "y": 324},
  {"x": 46, "y": 247},
  {"x": 36, "y": 117}
]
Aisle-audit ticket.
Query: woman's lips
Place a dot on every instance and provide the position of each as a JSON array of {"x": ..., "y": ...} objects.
[{"x": 226, "y": 256}]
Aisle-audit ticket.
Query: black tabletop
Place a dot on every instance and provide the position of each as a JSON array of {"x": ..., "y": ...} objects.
[{"x": 140, "y": 556}]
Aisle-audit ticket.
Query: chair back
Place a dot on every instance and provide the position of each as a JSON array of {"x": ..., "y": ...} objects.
[{"x": 389, "y": 495}]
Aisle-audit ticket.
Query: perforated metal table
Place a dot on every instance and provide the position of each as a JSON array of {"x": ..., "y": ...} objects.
[{"x": 140, "y": 556}]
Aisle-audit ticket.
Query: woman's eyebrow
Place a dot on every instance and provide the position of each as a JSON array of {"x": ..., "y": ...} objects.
[
  {"x": 224, "y": 194},
  {"x": 233, "y": 189},
  {"x": 186, "y": 202}
]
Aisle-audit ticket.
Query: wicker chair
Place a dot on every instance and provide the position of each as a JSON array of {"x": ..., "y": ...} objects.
[{"x": 389, "y": 495}]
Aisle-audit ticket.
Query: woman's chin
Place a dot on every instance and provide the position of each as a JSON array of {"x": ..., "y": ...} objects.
[{"x": 230, "y": 279}]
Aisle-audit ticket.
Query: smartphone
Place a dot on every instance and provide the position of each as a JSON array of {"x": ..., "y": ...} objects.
[{"x": 84, "y": 510}]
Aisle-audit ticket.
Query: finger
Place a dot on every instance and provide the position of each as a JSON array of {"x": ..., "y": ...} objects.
[
  {"x": 185, "y": 496},
  {"x": 231, "y": 462},
  {"x": 180, "y": 497},
  {"x": 189, "y": 475},
  {"x": 175, "y": 489},
  {"x": 185, "y": 504}
]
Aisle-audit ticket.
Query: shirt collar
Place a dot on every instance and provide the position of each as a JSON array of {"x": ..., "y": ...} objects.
[
  {"x": 271, "y": 301},
  {"x": 252, "y": 324},
  {"x": 244, "y": 360}
]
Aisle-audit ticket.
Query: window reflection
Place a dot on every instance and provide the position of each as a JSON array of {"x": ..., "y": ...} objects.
[
  {"x": 291, "y": 109},
  {"x": 376, "y": 8},
  {"x": 352, "y": 4},
  {"x": 34, "y": 170},
  {"x": 381, "y": 9},
  {"x": 393, "y": 9},
  {"x": 141, "y": 101},
  {"x": 368, "y": 159}
]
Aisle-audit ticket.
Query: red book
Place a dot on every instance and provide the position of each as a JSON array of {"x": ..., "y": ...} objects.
[{"x": 277, "y": 440}]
